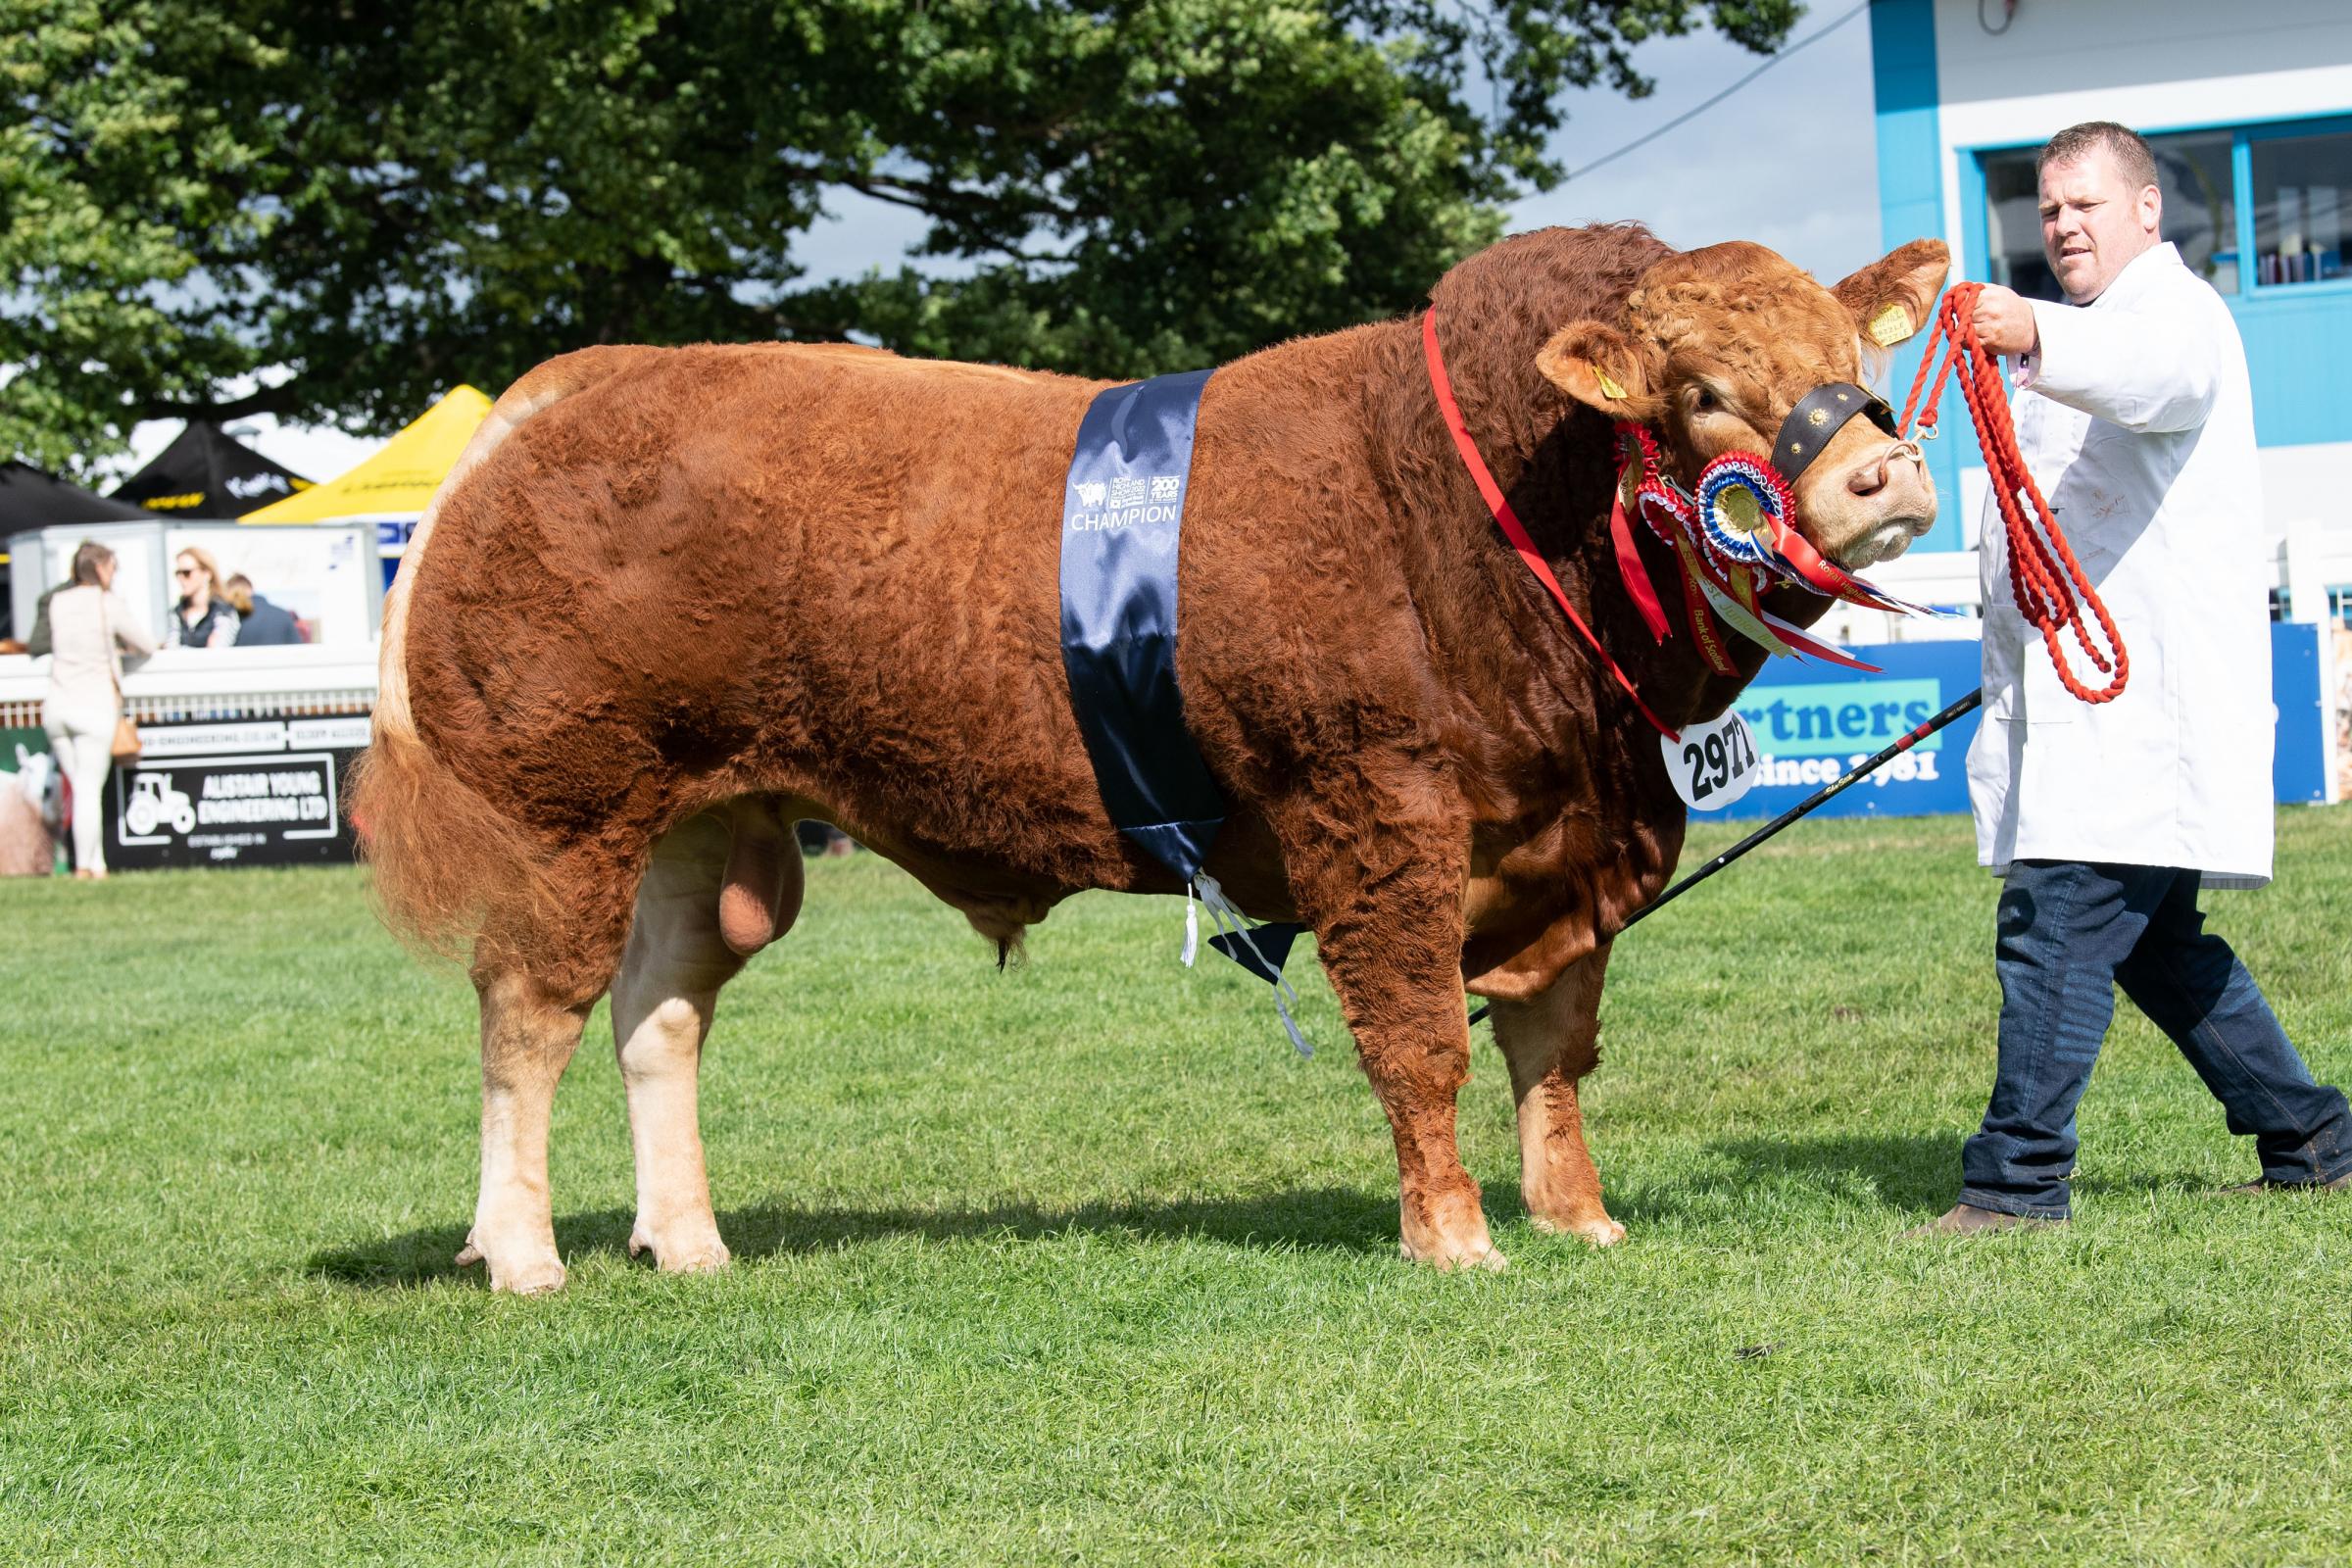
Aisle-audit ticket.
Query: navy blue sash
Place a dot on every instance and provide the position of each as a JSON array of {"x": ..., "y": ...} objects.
[{"x": 1122, "y": 520}]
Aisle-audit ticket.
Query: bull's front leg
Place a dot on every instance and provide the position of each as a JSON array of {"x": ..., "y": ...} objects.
[
  {"x": 1550, "y": 1043},
  {"x": 1388, "y": 919}
]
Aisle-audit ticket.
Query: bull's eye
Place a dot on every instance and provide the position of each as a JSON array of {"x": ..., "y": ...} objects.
[{"x": 1705, "y": 401}]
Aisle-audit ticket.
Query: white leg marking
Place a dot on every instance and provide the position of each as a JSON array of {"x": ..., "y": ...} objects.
[{"x": 661, "y": 1009}]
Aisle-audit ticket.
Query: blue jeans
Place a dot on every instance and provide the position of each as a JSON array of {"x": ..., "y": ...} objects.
[{"x": 2067, "y": 934}]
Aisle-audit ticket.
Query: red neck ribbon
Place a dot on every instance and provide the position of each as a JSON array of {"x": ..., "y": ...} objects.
[{"x": 1508, "y": 521}]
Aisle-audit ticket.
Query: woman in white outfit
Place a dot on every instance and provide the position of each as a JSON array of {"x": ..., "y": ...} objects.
[{"x": 89, "y": 629}]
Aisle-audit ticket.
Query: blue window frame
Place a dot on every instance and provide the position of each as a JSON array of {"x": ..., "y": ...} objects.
[
  {"x": 2279, "y": 227},
  {"x": 2298, "y": 334},
  {"x": 2296, "y": 220}
]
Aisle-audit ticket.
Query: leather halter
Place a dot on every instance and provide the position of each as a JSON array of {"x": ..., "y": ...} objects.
[{"x": 1818, "y": 416}]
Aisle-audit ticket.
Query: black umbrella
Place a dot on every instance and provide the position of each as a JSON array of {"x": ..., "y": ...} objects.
[
  {"x": 32, "y": 497},
  {"x": 207, "y": 472}
]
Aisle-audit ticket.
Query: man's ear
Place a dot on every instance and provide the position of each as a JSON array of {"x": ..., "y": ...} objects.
[
  {"x": 1893, "y": 297},
  {"x": 1600, "y": 367}
]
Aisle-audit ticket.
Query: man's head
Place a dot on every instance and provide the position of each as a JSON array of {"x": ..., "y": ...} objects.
[{"x": 2099, "y": 205}]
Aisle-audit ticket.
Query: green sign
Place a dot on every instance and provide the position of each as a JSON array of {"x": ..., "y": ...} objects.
[{"x": 1836, "y": 719}]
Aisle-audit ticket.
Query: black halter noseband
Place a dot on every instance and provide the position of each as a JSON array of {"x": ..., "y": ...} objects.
[{"x": 1820, "y": 415}]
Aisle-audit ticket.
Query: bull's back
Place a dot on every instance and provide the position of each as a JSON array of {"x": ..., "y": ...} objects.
[{"x": 826, "y": 571}]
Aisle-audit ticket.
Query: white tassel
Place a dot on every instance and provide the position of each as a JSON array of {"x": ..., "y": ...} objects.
[
  {"x": 1192, "y": 927},
  {"x": 1230, "y": 921}
]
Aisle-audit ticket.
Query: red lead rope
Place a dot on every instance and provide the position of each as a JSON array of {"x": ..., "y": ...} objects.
[
  {"x": 2048, "y": 585},
  {"x": 1512, "y": 526}
]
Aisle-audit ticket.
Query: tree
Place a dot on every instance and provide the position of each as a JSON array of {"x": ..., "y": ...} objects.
[{"x": 331, "y": 212}]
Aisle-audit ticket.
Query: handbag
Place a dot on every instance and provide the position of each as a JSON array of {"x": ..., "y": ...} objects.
[{"x": 125, "y": 746}]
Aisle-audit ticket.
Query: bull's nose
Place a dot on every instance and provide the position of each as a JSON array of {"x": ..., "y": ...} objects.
[{"x": 1875, "y": 475}]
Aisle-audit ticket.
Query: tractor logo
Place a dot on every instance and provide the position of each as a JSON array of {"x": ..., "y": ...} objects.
[{"x": 154, "y": 801}]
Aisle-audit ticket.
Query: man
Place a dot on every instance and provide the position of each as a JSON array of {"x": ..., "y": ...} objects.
[
  {"x": 2134, "y": 414},
  {"x": 259, "y": 624}
]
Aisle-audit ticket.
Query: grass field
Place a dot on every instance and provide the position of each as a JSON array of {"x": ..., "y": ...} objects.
[{"x": 1080, "y": 1263}]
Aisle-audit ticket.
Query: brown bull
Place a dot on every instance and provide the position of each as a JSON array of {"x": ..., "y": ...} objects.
[{"x": 672, "y": 600}]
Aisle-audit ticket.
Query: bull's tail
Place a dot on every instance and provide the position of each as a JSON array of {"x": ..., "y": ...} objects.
[{"x": 446, "y": 865}]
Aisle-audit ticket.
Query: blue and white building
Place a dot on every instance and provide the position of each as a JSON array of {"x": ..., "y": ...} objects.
[{"x": 2249, "y": 112}]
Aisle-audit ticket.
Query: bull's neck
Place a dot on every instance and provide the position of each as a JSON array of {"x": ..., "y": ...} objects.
[{"x": 1555, "y": 463}]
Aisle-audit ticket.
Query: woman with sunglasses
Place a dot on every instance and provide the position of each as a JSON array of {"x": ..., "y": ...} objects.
[{"x": 204, "y": 617}]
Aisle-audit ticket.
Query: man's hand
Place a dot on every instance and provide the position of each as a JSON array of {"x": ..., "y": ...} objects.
[{"x": 2005, "y": 322}]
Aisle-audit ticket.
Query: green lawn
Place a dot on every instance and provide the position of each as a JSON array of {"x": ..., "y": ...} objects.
[{"x": 1080, "y": 1263}]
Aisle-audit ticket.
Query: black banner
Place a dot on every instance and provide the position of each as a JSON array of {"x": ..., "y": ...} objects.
[{"x": 245, "y": 792}]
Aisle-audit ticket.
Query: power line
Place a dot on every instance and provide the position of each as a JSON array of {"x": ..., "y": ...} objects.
[{"x": 1692, "y": 113}]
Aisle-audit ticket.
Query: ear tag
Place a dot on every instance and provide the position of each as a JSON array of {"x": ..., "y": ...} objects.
[
  {"x": 1890, "y": 326},
  {"x": 1608, "y": 387}
]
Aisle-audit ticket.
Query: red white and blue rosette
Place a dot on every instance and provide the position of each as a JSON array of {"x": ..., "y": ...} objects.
[{"x": 1743, "y": 506}]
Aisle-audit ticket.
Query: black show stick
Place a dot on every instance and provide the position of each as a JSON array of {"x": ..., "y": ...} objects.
[{"x": 1819, "y": 797}]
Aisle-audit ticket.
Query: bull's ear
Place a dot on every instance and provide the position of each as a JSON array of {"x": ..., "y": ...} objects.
[
  {"x": 1600, "y": 367},
  {"x": 1890, "y": 299}
]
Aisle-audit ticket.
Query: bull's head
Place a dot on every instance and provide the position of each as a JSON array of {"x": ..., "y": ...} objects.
[{"x": 1717, "y": 346}]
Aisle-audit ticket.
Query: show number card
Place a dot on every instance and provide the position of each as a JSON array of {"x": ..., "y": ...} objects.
[{"x": 1711, "y": 764}]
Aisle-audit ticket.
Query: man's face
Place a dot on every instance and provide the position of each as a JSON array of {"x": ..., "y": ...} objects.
[{"x": 2094, "y": 223}]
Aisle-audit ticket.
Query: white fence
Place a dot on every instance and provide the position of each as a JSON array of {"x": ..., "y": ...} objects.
[
  {"x": 2308, "y": 563},
  {"x": 225, "y": 683}
]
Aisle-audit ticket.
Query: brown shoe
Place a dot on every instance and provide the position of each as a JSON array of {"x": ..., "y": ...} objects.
[
  {"x": 1967, "y": 1219},
  {"x": 2263, "y": 1185}
]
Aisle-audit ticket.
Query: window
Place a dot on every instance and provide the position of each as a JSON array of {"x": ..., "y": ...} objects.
[
  {"x": 2302, "y": 189},
  {"x": 2200, "y": 211}
]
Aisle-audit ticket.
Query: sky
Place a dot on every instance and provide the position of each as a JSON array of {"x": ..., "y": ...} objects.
[{"x": 1790, "y": 161}]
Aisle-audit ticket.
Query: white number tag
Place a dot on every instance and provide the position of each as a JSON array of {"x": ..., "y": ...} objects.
[{"x": 1712, "y": 764}]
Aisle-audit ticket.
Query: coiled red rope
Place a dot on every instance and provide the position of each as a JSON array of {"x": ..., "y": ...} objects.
[{"x": 2048, "y": 584}]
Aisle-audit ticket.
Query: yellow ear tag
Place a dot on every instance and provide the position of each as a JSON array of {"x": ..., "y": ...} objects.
[
  {"x": 1890, "y": 326},
  {"x": 1608, "y": 387}
]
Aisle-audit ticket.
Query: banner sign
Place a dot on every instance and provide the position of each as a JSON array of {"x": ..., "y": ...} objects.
[
  {"x": 263, "y": 792},
  {"x": 1812, "y": 721}
]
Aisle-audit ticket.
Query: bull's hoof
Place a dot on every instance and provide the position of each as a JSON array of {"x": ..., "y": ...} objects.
[
  {"x": 515, "y": 1271},
  {"x": 1479, "y": 1255},
  {"x": 1598, "y": 1231},
  {"x": 1447, "y": 1231},
  {"x": 684, "y": 1249}
]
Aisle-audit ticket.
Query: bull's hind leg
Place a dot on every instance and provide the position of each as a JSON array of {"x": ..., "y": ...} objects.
[
  {"x": 1550, "y": 1043},
  {"x": 529, "y": 1031},
  {"x": 538, "y": 968},
  {"x": 719, "y": 887}
]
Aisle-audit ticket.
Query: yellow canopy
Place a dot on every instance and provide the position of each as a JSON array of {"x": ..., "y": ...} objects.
[{"x": 398, "y": 480}]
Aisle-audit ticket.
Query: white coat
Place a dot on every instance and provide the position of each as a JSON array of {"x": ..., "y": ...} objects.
[{"x": 2136, "y": 417}]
